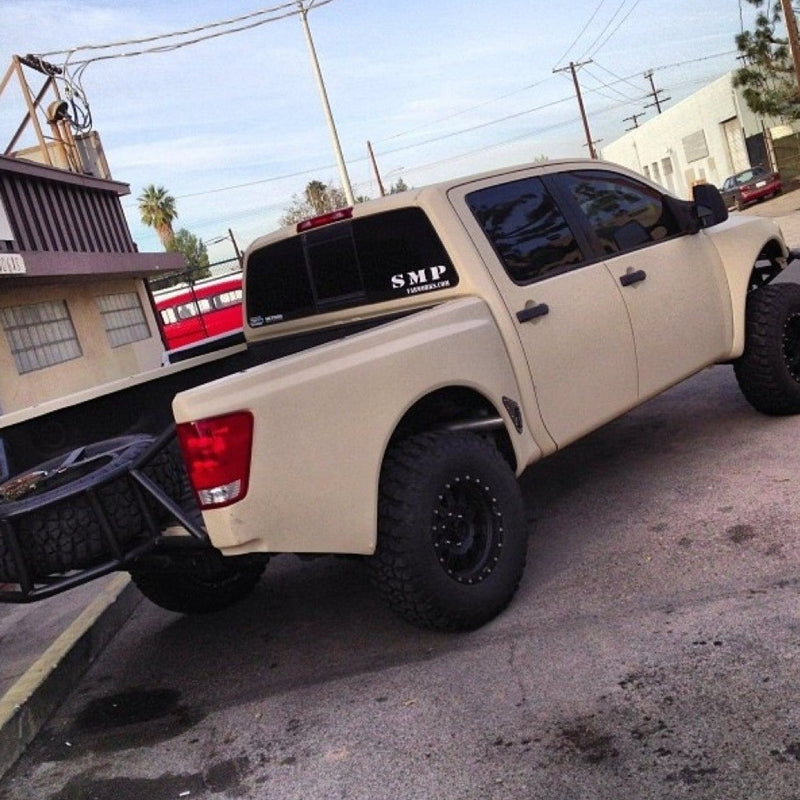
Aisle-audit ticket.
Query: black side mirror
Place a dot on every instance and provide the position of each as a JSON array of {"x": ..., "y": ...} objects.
[{"x": 710, "y": 209}]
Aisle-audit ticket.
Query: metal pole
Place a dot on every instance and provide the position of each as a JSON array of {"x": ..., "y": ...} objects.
[{"x": 348, "y": 189}]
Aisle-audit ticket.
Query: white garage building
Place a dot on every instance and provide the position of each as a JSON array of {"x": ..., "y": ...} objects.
[{"x": 705, "y": 138}]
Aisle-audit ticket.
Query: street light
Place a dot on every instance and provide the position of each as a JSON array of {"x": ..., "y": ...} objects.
[{"x": 348, "y": 189}]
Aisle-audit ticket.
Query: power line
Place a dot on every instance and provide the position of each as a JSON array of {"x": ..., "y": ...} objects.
[
  {"x": 583, "y": 30},
  {"x": 618, "y": 78},
  {"x": 601, "y": 84},
  {"x": 463, "y": 111},
  {"x": 71, "y": 72},
  {"x": 591, "y": 50},
  {"x": 452, "y": 134},
  {"x": 298, "y": 8}
]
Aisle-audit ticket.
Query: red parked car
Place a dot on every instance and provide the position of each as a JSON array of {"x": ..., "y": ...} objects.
[{"x": 750, "y": 186}]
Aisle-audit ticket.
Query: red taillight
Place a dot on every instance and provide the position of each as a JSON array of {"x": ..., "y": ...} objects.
[
  {"x": 325, "y": 219},
  {"x": 217, "y": 456}
]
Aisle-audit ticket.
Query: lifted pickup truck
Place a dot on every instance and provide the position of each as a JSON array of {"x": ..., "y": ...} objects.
[{"x": 420, "y": 351}]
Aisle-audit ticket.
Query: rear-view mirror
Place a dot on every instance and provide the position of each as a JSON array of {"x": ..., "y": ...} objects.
[{"x": 710, "y": 208}]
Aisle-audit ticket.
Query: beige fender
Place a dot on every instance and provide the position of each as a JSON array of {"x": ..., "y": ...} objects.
[
  {"x": 739, "y": 241},
  {"x": 324, "y": 417}
]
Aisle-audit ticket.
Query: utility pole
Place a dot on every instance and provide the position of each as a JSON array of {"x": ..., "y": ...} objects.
[
  {"x": 375, "y": 169},
  {"x": 572, "y": 68},
  {"x": 654, "y": 93},
  {"x": 794, "y": 39},
  {"x": 635, "y": 119},
  {"x": 236, "y": 248},
  {"x": 343, "y": 176}
]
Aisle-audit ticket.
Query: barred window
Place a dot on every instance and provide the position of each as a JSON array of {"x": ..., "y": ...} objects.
[
  {"x": 124, "y": 318},
  {"x": 40, "y": 335}
]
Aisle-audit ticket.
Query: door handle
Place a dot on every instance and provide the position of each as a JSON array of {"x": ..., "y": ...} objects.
[
  {"x": 531, "y": 312},
  {"x": 629, "y": 278}
]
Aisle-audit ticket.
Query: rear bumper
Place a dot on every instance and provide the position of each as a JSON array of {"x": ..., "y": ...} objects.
[{"x": 183, "y": 518}]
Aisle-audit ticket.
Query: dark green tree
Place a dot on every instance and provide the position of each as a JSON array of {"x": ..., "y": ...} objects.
[
  {"x": 767, "y": 77},
  {"x": 398, "y": 186},
  {"x": 194, "y": 251}
]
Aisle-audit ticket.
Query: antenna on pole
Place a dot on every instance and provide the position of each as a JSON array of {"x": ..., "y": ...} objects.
[{"x": 573, "y": 69}]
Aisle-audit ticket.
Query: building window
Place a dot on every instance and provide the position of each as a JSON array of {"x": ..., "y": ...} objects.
[
  {"x": 695, "y": 146},
  {"x": 655, "y": 172},
  {"x": 124, "y": 318},
  {"x": 40, "y": 335}
]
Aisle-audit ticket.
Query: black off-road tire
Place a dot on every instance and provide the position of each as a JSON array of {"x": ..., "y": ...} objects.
[
  {"x": 768, "y": 371},
  {"x": 200, "y": 583},
  {"x": 57, "y": 527},
  {"x": 452, "y": 535}
]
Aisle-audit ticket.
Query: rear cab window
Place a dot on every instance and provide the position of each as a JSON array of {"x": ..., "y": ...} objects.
[{"x": 354, "y": 262}]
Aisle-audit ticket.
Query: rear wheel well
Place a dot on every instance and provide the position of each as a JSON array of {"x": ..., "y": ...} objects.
[
  {"x": 457, "y": 408},
  {"x": 768, "y": 265}
]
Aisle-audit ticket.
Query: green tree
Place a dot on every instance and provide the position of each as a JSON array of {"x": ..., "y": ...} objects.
[
  {"x": 318, "y": 198},
  {"x": 157, "y": 209},
  {"x": 398, "y": 186},
  {"x": 194, "y": 251},
  {"x": 767, "y": 77}
]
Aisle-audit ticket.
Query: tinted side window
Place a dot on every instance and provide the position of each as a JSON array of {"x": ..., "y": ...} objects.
[
  {"x": 366, "y": 260},
  {"x": 526, "y": 229},
  {"x": 622, "y": 213}
]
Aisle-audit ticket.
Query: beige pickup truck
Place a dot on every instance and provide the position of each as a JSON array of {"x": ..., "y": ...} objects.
[{"x": 426, "y": 347}]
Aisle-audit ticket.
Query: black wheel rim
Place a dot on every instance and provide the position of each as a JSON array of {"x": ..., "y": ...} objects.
[
  {"x": 791, "y": 345},
  {"x": 467, "y": 530}
]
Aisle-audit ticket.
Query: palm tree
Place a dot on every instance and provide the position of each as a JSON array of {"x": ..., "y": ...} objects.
[{"x": 157, "y": 208}]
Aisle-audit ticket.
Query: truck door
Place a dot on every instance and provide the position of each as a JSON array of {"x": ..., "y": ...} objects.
[
  {"x": 672, "y": 282},
  {"x": 567, "y": 310}
]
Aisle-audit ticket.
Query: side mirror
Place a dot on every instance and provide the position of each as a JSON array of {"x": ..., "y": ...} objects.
[{"x": 709, "y": 207}]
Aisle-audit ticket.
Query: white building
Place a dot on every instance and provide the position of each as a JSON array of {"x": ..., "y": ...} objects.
[{"x": 704, "y": 138}]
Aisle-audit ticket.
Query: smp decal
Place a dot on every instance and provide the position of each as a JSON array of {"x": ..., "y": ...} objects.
[{"x": 421, "y": 280}]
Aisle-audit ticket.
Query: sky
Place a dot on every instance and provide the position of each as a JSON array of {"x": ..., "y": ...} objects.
[{"x": 233, "y": 126}]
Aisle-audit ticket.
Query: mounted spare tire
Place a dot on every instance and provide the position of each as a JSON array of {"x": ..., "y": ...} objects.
[{"x": 51, "y": 510}]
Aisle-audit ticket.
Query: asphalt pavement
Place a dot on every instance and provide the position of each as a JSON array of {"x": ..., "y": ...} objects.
[{"x": 47, "y": 646}]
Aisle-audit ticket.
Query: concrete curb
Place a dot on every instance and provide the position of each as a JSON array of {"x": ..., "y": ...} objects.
[{"x": 27, "y": 705}]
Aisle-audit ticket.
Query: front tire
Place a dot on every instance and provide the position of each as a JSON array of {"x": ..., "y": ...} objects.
[
  {"x": 452, "y": 536},
  {"x": 768, "y": 371}
]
